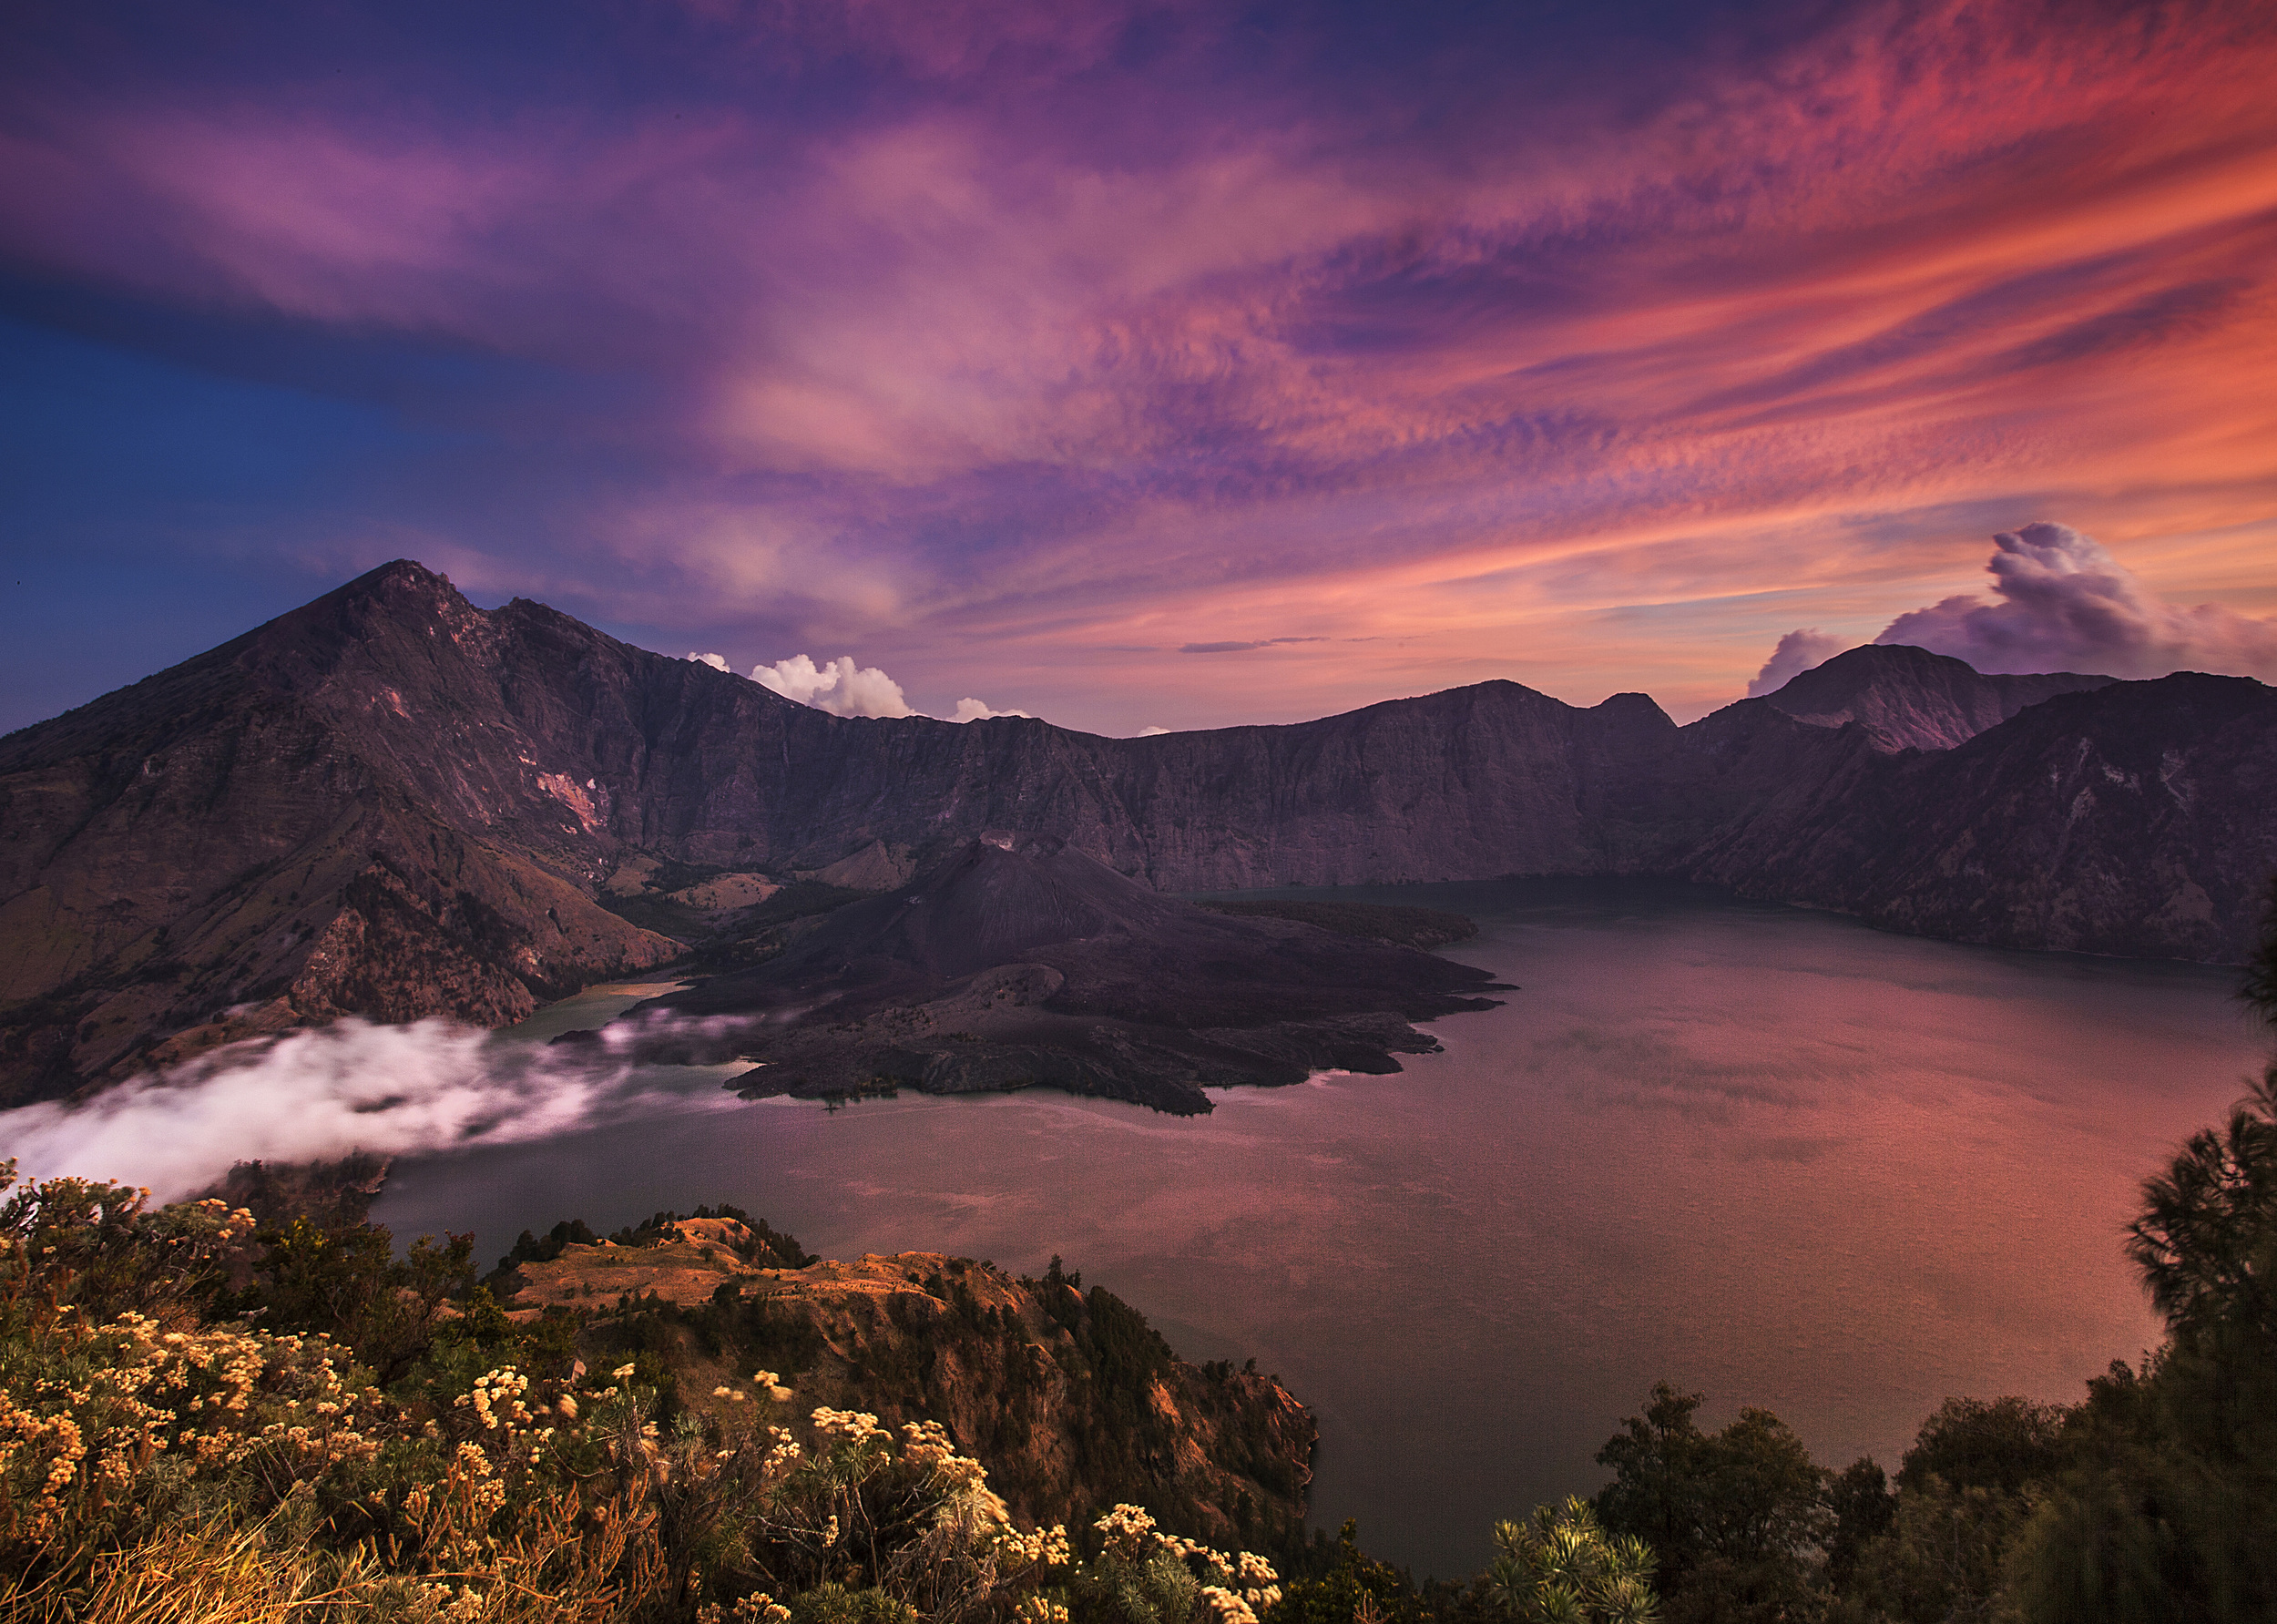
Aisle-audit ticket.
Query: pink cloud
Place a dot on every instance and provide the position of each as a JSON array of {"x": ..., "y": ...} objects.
[
  {"x": 2062, "y": 603},
  {"x": 973, "y": 359}
]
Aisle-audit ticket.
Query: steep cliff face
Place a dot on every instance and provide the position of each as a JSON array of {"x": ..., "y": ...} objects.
[
  {"x": 1068, "y": 1397},
  {"x": 2136, "y": 818},
  {"x": 316, "y": 819},
  {"x": 391, "y": 803},
  {"x": 1909, "y": 698}
]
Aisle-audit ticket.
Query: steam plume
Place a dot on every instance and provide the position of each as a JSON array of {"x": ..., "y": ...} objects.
[
  {"x": 1797, "y": 652},
  {"x": 978, "y": 711},
  {"x": 2066, "y": 605}
]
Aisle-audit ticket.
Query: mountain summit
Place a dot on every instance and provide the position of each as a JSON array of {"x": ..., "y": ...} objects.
[
  {"x": 1909, "y": 698},
  {"x": 390, "y": 802}
]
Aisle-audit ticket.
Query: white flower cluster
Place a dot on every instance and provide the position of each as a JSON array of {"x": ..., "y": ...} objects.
[
  {"x": 1225, "y": 1606},
  {"x": 1235, "y": 1587},
  {"x": 1129, "y": 1532},
  {"x": 782, "y": 1450},
  {"x": 497, "y": 1399},
  {"x": 229, "y": 1223},
  {"x": 776, "y": 1387},
  {"x": 855, "y": 1427},
  {"x": 1045, "y": 1547},
  {"x": 210, "y": 1398}
]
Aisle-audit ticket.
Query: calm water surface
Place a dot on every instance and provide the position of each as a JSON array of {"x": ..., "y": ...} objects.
[{"x": 1773, "y": 1156}]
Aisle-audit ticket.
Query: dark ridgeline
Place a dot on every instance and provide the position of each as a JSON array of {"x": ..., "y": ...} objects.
[{"x": 392, "y": 803}]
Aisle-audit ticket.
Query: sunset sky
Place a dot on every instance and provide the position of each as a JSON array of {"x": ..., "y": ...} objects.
[{"x": 1142, "y": 365}]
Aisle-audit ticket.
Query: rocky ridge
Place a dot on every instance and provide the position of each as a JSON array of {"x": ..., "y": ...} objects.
[
  {"x": 392, "y": 803},
  {"x": 1068, "y": 1397},
  {"x": 1909, "y": 698}
]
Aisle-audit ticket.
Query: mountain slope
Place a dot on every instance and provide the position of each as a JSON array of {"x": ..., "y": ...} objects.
[
  {"x": 391, "y": 803},
  {"x": 2139, "y": 818},
  {"x": 223, "y": 850},
  {"x": 1909, "y": 698}
]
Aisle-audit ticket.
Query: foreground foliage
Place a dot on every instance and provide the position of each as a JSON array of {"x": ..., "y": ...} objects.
[{"x": 191, "y": 1428}]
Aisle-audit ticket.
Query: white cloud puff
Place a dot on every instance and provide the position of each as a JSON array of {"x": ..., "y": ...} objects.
[
  {"x": 1152, "y": 732},
  {"x": 840, "y": 687},
  {"x": 975, "y": 710},
  {"x": 350, "y": 1086},
  {"x": 1798, "y": 652},
  {"x": 844, "y": 688},
  {"x": 718, "y": 662},
  {"x": 2065, "y": 604}
]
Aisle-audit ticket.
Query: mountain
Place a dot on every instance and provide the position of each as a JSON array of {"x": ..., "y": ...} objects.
[
  {"x": 392, "y": 803},
  {"x": 2138, "y": 818},
  {"x": 1911, "y": 698},
  {"x": 1017, "y": 961}
]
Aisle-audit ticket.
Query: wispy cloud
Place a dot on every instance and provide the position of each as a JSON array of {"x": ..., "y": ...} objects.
[
  {"x": 1243, "y": 647},
  {"x": 1062, "y": 329}
]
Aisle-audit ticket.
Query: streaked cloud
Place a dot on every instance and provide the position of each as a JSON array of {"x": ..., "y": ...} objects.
[{"x": 1597, "y": 352}]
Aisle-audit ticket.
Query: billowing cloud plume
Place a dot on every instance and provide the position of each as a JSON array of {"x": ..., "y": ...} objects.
[
  {"x": 2065, "y": 604},
  {"x": 844, "y": 688},
  {"x": 348, "y": 1086},
  {"x": 1797, "y": 652},
  {"x": 841, "y": 687},
  {"x": 978, "y": 711}
]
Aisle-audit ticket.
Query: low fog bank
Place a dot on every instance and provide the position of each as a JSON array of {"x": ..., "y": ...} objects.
[{"x": 352, "y": 1086}]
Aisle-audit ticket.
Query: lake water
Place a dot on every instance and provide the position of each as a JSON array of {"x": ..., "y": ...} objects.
[{"x": 1770, "y": 1155}]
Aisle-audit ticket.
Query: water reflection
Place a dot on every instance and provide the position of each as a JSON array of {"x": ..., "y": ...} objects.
[{"x": 1771, "y": 1155}]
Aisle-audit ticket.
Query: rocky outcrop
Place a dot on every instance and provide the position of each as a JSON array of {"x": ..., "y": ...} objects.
[
  {"x": 392, "y": 803},
  {"x": 2137, "y": 819},
  {"x": 1068, "y": 1396},
  {"x": 1909, "y": 698}
]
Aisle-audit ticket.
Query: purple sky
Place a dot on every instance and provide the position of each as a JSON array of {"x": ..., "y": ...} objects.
[{"x": 1138, "y": 364}]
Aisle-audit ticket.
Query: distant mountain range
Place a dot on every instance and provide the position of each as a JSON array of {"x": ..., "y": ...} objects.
[{"x": 390, "y": 802}]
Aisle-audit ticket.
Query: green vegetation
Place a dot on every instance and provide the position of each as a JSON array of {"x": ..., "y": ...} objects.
[
  {"x": 1561, "y": 1567},
  {"x": 722, "y": 942},
  {"x": 201, "y": 1419}
]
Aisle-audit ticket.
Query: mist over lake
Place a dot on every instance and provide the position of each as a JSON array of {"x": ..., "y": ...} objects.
[{"x": 1767, "y": 1154}]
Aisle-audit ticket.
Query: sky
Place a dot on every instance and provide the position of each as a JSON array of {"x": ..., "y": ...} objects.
[{"x": 1137, "y": 365}]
